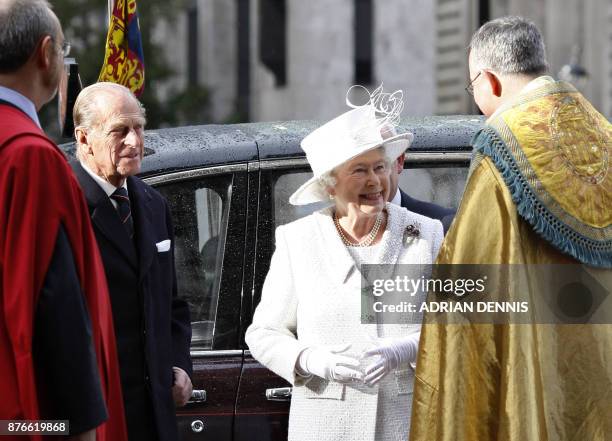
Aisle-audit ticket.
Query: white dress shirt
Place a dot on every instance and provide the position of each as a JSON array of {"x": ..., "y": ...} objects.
[
  {"x": 108, "y": 188},
  {"x": 397, "y": 199}
]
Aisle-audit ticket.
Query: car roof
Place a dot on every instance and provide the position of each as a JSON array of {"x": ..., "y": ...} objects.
[{"x": 219, "y": 144}]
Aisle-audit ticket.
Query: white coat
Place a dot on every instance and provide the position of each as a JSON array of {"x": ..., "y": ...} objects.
[{"x": 311, "y": 297}]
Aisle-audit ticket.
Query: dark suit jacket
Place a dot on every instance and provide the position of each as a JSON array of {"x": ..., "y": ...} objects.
[
  {"x": 444, "y": 215},
  {"x": 152, "y": 325}
]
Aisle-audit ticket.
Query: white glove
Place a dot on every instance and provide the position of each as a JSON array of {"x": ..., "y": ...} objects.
[
  {"x": 391, "y": 355},
  {"x": 325, "y": 362}
]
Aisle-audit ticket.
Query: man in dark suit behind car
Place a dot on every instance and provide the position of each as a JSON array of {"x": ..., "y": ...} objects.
[
  {"x": 134, "y": 233},
  {"x": 398, "y": 197}
]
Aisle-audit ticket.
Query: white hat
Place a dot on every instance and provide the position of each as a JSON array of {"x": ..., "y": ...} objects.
[{"x": 349, "y": 135}]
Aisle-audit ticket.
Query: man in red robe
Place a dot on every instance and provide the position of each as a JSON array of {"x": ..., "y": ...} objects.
[{"x": 57, "y": 351}]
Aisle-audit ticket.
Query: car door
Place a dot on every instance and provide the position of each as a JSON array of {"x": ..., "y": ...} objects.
[
  {"x": 262, "y": 405},
  {"x": 208, "y": 208}
]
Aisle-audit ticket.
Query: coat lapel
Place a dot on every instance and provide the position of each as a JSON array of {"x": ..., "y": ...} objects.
[
  {"x": 104, "y": 216},
  {"x": 143, "y": 226}
]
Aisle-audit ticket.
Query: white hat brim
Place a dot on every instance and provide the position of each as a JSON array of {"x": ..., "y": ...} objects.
[{"x": 313, "y": 191}]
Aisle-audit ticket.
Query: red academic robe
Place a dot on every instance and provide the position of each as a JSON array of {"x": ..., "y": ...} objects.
[{"x": 38, "y": 192}]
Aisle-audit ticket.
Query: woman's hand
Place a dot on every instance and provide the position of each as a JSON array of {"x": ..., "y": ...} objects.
[
  {"x": 327, "y": 363},
  {"x": 390, "y": 354}
]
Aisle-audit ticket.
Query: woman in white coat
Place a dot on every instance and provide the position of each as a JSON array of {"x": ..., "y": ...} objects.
[{"x": 351, "y": 381}]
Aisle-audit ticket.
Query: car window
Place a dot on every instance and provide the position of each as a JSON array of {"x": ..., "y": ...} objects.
[
  {"x": 443, "y": 186},
  {"x": 200, "y": 215},
  {"x": 440, "y": 185}
]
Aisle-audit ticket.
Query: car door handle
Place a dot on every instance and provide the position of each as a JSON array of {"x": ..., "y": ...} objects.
[
  {"x": 279, "y": 394},
  {"x": 197, "y": 396}
]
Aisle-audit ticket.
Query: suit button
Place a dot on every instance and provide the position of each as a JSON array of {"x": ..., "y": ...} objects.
[{"x": 146, "y": 378}]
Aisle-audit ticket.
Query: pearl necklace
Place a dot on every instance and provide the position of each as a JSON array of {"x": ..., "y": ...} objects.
[{"x": 370, "y": 237}]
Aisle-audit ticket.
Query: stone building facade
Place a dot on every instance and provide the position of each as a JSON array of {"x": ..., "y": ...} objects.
[{"x": 266, "y": 60}]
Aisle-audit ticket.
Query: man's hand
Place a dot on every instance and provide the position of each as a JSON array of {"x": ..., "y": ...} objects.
[{"x": 182, "y": 388}]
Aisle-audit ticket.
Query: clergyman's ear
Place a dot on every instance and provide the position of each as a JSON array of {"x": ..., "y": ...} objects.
[{"x": 494, "y": 83}]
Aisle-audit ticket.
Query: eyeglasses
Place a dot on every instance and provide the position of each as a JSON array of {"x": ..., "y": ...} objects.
[
  {"x": 66, "y": 48},
  {"x": 470, "y": 87}
]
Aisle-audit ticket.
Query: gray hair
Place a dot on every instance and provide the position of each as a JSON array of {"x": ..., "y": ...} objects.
[
  {"x": 87, "y": 110},
  {"x": 509, "y": 45},
  {"x": 23, "y": 23},
  {"x": 328, "y": 179}
]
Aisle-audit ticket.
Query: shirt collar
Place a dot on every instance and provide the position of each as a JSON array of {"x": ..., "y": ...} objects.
[
  {"x": 397, "y": 199},
  {"x": 20, "y": 101},
  {"x": 537, "y": 82},
  {"x": 108, "y": 188}
]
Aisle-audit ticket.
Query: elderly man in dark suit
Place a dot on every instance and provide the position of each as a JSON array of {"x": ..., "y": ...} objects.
[
  {"x": 398, "y": 197},
  {"x": 134, "y": 233}
]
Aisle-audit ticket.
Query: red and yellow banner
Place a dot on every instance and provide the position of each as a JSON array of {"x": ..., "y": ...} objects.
[{"x": 124, "y": 59}]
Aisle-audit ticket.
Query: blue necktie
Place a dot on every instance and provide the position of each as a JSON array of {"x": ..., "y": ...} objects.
[{"x": 123, "y": 210}]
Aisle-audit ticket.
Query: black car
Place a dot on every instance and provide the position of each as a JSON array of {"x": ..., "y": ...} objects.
[{"x": 228, "y": 187}]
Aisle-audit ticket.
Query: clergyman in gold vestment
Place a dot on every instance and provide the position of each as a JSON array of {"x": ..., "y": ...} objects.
[{"x": 539, "y": 192}]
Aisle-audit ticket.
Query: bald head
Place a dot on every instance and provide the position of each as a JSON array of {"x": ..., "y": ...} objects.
[
  {"x": 92, "y": 104},
  {"x": 23, "y": 24}
]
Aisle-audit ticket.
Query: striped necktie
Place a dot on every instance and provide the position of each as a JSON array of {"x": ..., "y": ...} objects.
[{"x": 123, "y": 210}]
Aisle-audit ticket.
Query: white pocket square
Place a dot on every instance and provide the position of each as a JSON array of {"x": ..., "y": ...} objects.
[{"x": 163, "y": 246}]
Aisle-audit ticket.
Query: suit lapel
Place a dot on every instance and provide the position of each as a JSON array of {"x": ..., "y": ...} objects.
[
  {"x": 407, "y": 201},
  {"x": 143, "y": 225},
  {"x": 104, "y": 216}
]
